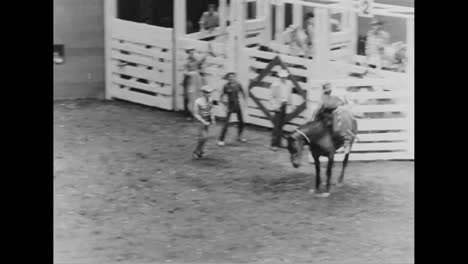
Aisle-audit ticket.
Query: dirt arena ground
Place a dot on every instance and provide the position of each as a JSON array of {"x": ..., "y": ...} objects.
[{"x": 127, "y": 191}]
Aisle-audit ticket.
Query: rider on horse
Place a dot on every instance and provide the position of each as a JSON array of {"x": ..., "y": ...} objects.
[
  {"x": 329, "y": 103},
  {"x": 338, "y": 119}
]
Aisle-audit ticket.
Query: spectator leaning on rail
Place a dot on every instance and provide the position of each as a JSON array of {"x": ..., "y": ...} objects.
[
  {"x": 232, "y": 89},
  {"x": 210, "y": 19},
  {"x": 203, "y": 112},
  {"x": 377, "y": 40},
  {"x": 280, "y": 97}
]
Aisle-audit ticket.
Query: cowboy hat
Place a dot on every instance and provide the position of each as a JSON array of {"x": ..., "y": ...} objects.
[
  {"x": 226, "y": 76},
  {"x": 188, "y": 50},
  {"x": 326, "y": 86},
  {"x": 375, "y": 21},
  {"x": 283, "y": 73},
  {"x": 207, "y": 89}
]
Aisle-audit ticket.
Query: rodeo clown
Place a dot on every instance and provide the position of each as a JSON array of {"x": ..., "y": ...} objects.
[{"x": 203, "y": 112}]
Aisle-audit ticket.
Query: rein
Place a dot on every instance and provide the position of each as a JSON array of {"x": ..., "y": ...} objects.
[{"x": 304, "y": 135}]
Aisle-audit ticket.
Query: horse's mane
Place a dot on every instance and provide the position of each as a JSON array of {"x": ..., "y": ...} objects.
[{"x": 314, "y": 129}]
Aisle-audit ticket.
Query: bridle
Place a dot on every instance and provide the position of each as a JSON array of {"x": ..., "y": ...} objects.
[{"x": 304, "y": 135}]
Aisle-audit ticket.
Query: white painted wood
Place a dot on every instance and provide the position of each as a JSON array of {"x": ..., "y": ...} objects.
[
  {"x": 134, "y": 59},
  {"x": 116, "y": 45},
  {"x": 164, "y": 77},
  {"x": 297, "y": 15},
  {"x": 279, "y": 19},
  {"x": 165, "y": 90},
  {"x": 110, "y": 12},
  {"x": 156, "y": 101},
  {"x": 141, "y": 33}
]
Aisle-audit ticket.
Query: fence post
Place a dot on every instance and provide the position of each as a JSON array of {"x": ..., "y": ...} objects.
[
  {"x": 322, "y": 44},
  {"x": 410, "y": 77},
  {"x": 279, "y": 19},
  {"x": 110, "y": 13},
  {"x": 179, "y": 30}
]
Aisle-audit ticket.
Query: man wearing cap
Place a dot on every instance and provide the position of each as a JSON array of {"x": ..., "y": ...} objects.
[
  {"x": 210, "y": 19},
  {"x": 203, "y": 112},
  {"x": 280, "y": 98},
  {"x": 377, "y": 40},
  {"x": 232, "y": 89},
  {"x": 192, "y": 80}
]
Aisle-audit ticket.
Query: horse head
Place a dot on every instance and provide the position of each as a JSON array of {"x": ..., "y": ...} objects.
[{"x": 296, "y": 143}]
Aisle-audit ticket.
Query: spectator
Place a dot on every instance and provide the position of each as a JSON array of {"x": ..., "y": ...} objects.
[
  {"x": 232, "y": 89},
  {"x": 377, "y": 40},
  {"x": 192, "y": 80},
  {"x": 309, "y": 29},
  {"x": 210, "y": 19},
  {"x": 281, "y": 95}
]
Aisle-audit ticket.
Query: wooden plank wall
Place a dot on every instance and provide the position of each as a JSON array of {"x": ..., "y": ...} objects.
[{"x": 141, "y": 63}]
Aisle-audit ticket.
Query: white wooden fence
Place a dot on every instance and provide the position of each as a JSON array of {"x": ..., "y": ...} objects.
[{"x": 141, "y": 64}]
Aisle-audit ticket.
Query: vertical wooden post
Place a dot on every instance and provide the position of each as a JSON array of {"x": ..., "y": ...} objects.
[
  {"x": 222, "y": 15},
  {"x": 268, "y": 21},
  {"x": 241, "y": 17},
  {"x": 297, "y": 15},
  {"x": 179, "y": 30},
  {"x": 322, "y": 42},
  {"x": 353, "y": 29},
  {"x": 410, "y": 76},
  {"x": 110, "y": 13},
  {"x": 279, "y": 17}
]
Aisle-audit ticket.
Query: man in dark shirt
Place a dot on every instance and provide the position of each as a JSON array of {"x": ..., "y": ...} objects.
[{"x": 232, "y": 89}]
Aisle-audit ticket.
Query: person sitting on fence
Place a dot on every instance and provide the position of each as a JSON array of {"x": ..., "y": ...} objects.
[
  {"x": 376, "y": 41},
  {"x": 297, "y": 40},
  {"x": 309, "y": 28},
  {"x": 232, "y": 89},
  {"x": 192, "y": 80},
  {"x": 210, "y": 19},
  {"x": 203, "y": 112}
]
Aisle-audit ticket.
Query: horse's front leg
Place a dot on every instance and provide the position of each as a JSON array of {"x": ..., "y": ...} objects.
[
  {"x": 317, "y": 173},
  {"x": 331, "y": 158}
]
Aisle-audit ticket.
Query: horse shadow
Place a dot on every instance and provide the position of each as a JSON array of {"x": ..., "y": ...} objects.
[{"x": 297, "y": 182}]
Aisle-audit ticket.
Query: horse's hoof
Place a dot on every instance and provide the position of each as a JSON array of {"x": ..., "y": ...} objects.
[{"x": 323, "y": 195}]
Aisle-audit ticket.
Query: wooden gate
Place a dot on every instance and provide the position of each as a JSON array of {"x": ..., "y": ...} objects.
[{"x": 140, "y": 64}]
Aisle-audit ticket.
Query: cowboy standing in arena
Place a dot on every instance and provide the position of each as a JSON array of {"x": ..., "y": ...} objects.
[
  {"x": 377, "y": 40},
  {"x": 280, "y": 98},
  {"x": 203, "y": 112},
  {"x": 232, "y": 89},
  {"x": 192, "y": 80}
]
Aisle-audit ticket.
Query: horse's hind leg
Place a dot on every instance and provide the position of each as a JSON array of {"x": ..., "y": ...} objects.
[{"x": 345, "y": 163}]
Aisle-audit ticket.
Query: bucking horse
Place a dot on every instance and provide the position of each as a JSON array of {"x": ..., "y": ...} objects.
[{"x": 328, "y": 132}]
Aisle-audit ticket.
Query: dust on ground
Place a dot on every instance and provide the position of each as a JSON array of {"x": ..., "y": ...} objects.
[{"x": 127, "y": 191}]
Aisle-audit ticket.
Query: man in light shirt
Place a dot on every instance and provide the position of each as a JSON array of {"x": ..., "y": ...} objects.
[
  {"x": 377, "y": 40},
  {"x": 210, "y": 19},
  {"x": 280, "y": 98}
]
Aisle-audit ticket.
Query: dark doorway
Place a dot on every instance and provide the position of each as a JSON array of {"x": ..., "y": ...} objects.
[{"x": 152, "y": 12}]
